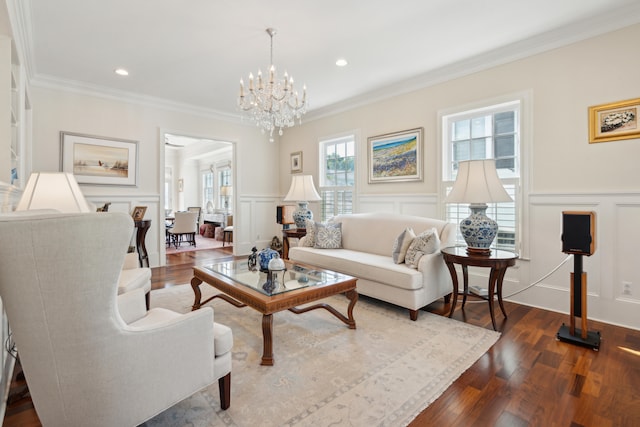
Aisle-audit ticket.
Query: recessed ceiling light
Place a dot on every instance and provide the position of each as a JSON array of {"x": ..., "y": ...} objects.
[
  {"x": 121, "y": 72},
  {"x": 341, "y": 62}
]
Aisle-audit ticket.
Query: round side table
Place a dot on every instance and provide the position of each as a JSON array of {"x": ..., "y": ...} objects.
[{"x": 498, "y": 260}]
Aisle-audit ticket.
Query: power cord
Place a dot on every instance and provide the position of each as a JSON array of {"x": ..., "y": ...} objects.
[
  {"x": 10, "y": 346},
  {"x": 564, "y": 261}
]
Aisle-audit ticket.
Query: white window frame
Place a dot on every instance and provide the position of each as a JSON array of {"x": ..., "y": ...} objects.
[
  {"x": 517, "y": 186},
  {"x": 337, "y": 191}
]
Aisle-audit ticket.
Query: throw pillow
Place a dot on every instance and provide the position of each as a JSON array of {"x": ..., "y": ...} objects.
[
  {"x": 310, "y": 237},
  {"x": 401, "y": 245},
  {"x": 328, "y": 236},
  {"x": 425, "y": 243}
]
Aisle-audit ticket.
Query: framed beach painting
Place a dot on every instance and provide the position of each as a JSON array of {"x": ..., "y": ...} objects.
[
  {"x": 98, "y": 160},
  {"x": 611, "y": 122},
  {"x": 396, "y": 157}
]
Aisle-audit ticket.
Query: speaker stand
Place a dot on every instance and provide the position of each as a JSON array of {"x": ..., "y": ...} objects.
[{"x": 570, "y": 333}]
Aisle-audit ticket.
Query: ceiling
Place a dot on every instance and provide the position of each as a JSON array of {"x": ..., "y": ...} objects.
[{"x": 192, "y": 54}]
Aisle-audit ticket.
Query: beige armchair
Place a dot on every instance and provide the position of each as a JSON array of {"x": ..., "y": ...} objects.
[
  {"x": 184, "y": 229},
  {"x": 91, "y": 357}
]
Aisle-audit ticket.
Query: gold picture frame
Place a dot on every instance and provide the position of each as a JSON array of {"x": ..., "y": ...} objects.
[
  {"x": 614, "y": 121},
  {"x": 296, "y": 162},
  {"x": 396, "y": 157},
  {"x": 138, "y": 213}
]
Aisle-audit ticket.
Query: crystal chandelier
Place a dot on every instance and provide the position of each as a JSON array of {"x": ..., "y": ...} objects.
[{"x": 272, "y": 102}]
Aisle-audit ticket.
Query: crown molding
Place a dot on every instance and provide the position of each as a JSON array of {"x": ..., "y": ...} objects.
[{"x": 55, "y": 83}]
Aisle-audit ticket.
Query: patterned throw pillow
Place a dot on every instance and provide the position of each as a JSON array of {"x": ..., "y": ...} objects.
[
  {"x": 425, "y": 243},
  {"x": 401, "y": 245},
  {"x": 328, "y": 236},
  {"x": 310, "y": 238}
]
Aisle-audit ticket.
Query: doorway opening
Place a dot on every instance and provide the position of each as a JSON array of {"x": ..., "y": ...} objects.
[{"x": 198, "y": 172}]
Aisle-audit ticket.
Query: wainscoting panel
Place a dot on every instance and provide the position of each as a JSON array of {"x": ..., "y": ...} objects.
[
  {"x": 258, "y": 223},
  {"x": 613, "y": 262}
]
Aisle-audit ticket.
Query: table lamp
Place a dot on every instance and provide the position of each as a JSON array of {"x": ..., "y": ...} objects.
[
  {"x": 302, "y": 191},
  {"x": 226, "y": 191},
  {"x": 477, "y": 183},
  {"x": 53, "y": 190}
]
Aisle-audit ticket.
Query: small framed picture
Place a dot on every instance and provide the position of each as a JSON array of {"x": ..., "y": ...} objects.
[
  {"x": 296, "y": 162},
  {"x": 615, "y": 121},
  {"x": 138, "y": 213}
]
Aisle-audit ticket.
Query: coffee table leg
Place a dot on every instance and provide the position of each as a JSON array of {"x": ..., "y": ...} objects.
[
  {"x": 195, "y": 284},
  {"x": 267, "y": 351},
  {"x": 353, "y": 299}
]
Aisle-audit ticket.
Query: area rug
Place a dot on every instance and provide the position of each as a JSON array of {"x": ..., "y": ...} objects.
[
  {"x": 383, "y": 373},
  {"x": 202, "y": 243}
]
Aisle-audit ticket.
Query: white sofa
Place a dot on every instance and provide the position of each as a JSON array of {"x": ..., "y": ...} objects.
[{"x": 366, "y": 253}]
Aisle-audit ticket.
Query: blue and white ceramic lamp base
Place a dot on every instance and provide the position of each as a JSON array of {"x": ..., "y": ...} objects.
[
  {"x": 478, "y": 230},
  {"x": 301, "y": 215}
]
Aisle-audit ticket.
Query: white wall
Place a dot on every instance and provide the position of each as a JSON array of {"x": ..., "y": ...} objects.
[
  {"x": 58, "y": 110},
  {"x": 565, "y": 171}
]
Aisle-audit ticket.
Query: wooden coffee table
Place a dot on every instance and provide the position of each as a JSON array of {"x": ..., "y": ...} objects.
[{"x": 302, "y": 284}]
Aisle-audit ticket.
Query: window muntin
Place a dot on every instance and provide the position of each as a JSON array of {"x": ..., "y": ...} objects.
[{"x": 337, "y": 176}]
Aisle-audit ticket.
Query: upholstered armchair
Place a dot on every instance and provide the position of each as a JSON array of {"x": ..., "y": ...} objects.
[
  {"x": 184, "y": 228},
  {"x": 91, "y": 357}
]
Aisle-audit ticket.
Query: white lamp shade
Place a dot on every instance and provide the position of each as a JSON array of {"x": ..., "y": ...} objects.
[
  {"x": 53, "y": 190},
  {"x": 302, "y": 189},
  {"x": 226, "y": 190},
  {"x": 478, "y": 182}
]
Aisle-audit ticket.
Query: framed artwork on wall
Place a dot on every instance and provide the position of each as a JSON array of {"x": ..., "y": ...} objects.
[
  {"x": 138, "y": 213},
  {"x": 296, "y": 162},
  {"x": 614, "y": 121},
  {"x": 99, "y": 160},
  {"x": 395, "y": 157}
]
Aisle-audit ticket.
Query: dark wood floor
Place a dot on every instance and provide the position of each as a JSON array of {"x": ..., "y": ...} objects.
[{"x": 527, "y": 378}]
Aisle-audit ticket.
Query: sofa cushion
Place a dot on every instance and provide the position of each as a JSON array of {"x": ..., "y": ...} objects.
[
  {"x": 378, "y": 268},
  {"x": 328, "y": 236},
  {"x": 311, "y": 233},
  {"x": 401, "y": 245},
  {"x": 424, "y": 243}
]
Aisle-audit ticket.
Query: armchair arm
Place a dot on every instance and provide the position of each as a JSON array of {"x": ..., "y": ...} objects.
[
  {"x": 130, "y": 261},
  {"x": 132, "y": 305}
]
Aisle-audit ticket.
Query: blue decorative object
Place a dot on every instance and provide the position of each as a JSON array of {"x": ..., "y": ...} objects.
[
  {"x": 478, "y": 230},
  {"x": 264, "y": 256},
  {"x": 302, "y": 214}
]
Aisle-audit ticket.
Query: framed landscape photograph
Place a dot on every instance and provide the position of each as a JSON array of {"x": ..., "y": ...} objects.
[
  {"x": 296, "y": 162},
  {"x": 611, "y": 122},
  {"x": 396, "y": 157},
  {"x": 98, "y": 160}
]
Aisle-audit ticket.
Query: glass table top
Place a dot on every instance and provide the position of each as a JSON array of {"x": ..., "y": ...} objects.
[{"x": 278, "y": 282}]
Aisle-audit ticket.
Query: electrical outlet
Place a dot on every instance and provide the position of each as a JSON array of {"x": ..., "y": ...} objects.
[{"x": 626, "y": 288}]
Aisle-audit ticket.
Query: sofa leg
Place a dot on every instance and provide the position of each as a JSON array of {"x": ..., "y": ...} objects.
[
  {"x": 224, "y": 384},
  {"x": 413, "y": 314},
  {"x": 447, "y": 298},
  {"x": 147, "y": 300}
]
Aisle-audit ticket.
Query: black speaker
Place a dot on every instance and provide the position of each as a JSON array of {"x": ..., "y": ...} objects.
[{"x": 578, "y": 232}]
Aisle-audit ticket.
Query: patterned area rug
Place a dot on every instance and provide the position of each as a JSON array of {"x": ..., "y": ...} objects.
[
  {"x": 383, "y": 373},
  {"x": 201, "y": 244}
]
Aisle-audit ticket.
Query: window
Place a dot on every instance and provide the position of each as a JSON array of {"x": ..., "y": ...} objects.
[
  {"x": 491, "y": 132},
  {"x": 207, "y": 189},
  {"x": 224, "y": 194},
  {"x": 337, "y": 175}
]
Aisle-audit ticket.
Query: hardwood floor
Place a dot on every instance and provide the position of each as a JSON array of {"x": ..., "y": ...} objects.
[{"x": 527, "y": 378}]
